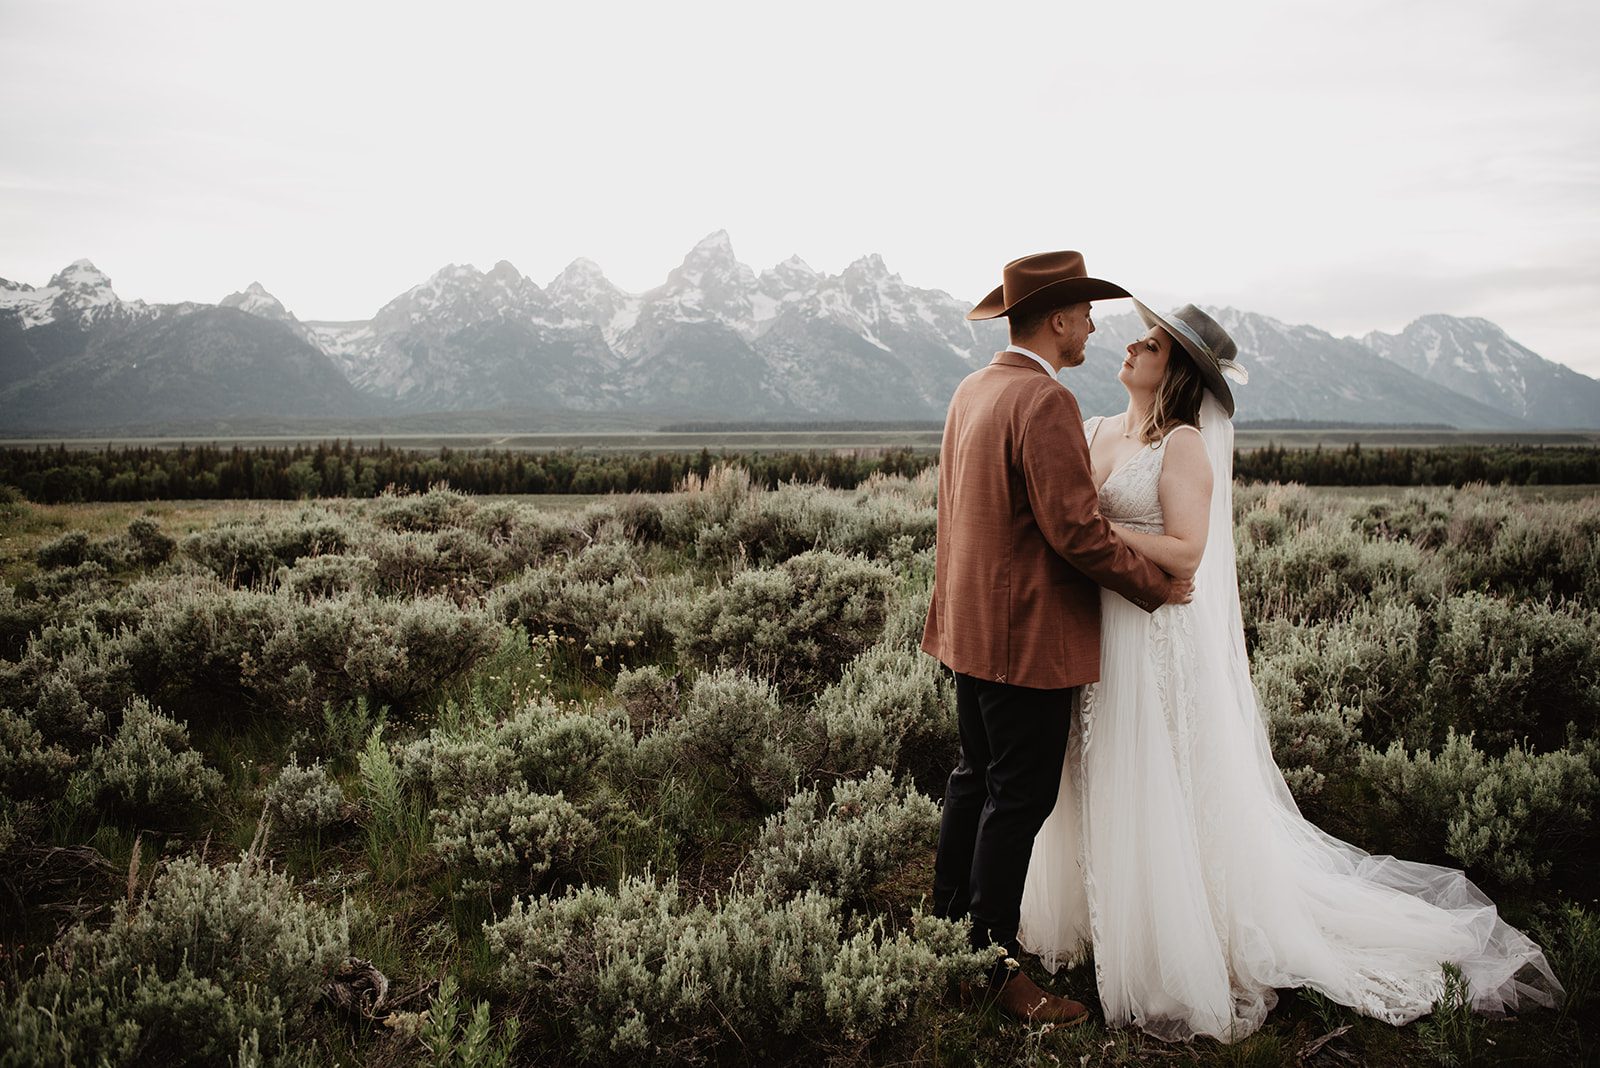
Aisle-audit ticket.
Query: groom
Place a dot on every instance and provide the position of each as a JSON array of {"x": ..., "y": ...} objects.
[{"x": 1021, "y": 547}]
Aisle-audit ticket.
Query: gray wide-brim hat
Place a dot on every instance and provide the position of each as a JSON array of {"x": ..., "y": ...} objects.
[{"x": 1203, "y": 338}]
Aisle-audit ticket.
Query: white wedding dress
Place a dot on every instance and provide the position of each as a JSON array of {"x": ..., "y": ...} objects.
[{"x": 1176, "y": 853}]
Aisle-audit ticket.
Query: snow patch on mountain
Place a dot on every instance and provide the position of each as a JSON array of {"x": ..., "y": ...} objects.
[
  {"x": 31, "y": 306},
  {"x": 79, "y": 293}
]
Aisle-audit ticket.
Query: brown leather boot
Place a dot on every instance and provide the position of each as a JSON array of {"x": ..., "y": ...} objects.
[{"x": 1022, "y": 999}]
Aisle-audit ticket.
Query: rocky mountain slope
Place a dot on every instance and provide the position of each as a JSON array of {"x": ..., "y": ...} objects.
[
  {"x": 716, "y": 340},
  {"x": 1475, "y": 358}
]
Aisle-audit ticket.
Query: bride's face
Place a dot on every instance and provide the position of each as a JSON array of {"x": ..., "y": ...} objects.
[{"x": 1146, "y": 363}]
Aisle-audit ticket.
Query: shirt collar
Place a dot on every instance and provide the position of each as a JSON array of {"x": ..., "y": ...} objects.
[{"x": 1035, "y": 357}]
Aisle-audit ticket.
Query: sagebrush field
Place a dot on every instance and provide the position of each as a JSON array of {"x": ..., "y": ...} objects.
[{"x": 434, "y": 779}]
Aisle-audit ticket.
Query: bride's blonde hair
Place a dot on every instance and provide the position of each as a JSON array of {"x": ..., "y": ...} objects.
[{"x": 1177, "y": 399}]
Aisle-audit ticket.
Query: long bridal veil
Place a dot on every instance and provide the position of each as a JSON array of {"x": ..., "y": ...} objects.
[{"x": 1177, "y": 851}]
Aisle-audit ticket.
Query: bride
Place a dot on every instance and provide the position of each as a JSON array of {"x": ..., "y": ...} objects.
[{"x": 1175, "y": 850}]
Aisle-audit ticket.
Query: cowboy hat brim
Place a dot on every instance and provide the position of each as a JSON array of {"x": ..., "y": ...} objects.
[
  {"x": 1210, "y": 370},
  {"x": 1066, "y": 291}
]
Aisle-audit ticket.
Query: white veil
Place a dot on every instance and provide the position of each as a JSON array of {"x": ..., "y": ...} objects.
[{"x": 1383, "y": 923}]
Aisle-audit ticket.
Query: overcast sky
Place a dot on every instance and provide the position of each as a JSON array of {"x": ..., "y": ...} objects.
[{"x": 1351, "y": 164}]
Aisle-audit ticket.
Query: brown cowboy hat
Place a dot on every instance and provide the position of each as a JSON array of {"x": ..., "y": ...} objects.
[{"x": 1055, "y": 276}]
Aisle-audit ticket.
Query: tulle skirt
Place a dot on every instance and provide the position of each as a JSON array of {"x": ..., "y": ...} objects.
[{"x": 1176, "y": 853}]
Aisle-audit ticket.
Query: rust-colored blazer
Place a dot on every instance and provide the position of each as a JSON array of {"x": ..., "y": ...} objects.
[{"x": 1021, "y": 545}]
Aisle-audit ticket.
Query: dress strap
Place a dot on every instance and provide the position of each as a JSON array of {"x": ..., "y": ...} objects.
[
  {"x": 1174, "y": 430},
  {"x": 1091, "y": 426}
]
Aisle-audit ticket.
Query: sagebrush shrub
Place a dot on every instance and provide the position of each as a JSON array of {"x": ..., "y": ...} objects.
[
  {"x": 541, "y": 747},
  {"x": 774, "y": 526},
  {"x": 147, "y": 544},
  {"x": 1325, "y": 687},
  {"x": 641, "y": 519},
  {"x": 878, "y": 979},
  {"x": 1515, "y": 672},
  {"x": 30, "y": 767},
  {"x": 514, "y": 838},
  {"x": 247, "y": 553},
  {"x": 892, "y": 708},
  {"x": 1534, "y": 550},
  {"x": 1510, "y": 672},
  {"x": 414, "y": 564},
  {"x": 304, "y": 798},
  {"x": 715, "y": 500},
  {"x": 640, "y": 972},
  {"x": 731, "y": 732},
  {"x": 1325, "y": 571},
  {"x": 438, "y": 508},
  {"x": 69, "y": 587},
  {"x": 1516, "y": 817},
  {"x": 908, "y": 610},
  {"x": 1476, "y": 515},
  {"x": 647, "y": 695},
  {"x": 565, "y": 749},
  {"x": 842, "y": 847},
  {"x": 147, "y": 769},
  {"x": 328, "y": 576},
  {"x": 1420, "y": 518},
  {"x": 70, "y": 678},
  {"x": 20, "y": 618},
  {"x": 291, "y": 656},
  {"x": 215, "y": 958},
  {"x": 598, "y": 601},
  {"x": 67, "y": 550},
  {"x": 796, "y": 624}
]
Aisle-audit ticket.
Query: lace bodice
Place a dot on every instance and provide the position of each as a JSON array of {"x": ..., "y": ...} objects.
[{"x": 1130, "y": 494}]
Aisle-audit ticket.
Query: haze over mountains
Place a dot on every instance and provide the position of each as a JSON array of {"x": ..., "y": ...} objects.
[{"x": 715, "y": 341}]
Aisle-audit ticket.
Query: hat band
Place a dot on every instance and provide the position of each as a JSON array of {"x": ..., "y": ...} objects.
[{"x": 1193, "y": 338}]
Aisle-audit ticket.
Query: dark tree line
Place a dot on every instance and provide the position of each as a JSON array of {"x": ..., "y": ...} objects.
[
  {"x": 51, "y": 475},
  {"x": 55, "y": 474},
  {"x": 1445, "y": 465}
]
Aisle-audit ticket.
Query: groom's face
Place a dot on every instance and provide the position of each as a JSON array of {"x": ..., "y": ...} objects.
[{"x": 1074, "y": 324}]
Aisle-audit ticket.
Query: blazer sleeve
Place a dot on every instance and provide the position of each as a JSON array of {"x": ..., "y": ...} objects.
[{"x": 1055, "y": 466}]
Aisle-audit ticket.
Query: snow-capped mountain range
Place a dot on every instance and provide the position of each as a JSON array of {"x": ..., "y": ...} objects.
[{"x": 716, "y": 341}]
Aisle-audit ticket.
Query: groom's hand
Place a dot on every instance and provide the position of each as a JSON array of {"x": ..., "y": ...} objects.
[{"x": 1182, "y": 591}]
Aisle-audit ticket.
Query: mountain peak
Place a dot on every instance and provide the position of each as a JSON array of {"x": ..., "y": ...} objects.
[
  {"x": 795, "y": 265},
  {"x": 871, "y": 264},
  {"x": 718, "y": 243},
  {"x": 1451, "y": 324},
  {"x": 255, "y": 300},
  {"x": 81, "y": 274},
  {"x": 453, "y": 271},
  {"x": 580, "y": 270}
]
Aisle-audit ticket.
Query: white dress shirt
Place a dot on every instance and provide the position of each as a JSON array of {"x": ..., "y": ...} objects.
[{"x": 1036, "y": 358}]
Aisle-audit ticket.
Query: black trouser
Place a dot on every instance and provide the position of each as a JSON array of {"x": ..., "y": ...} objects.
[{"x": 1013, "y": 743}]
